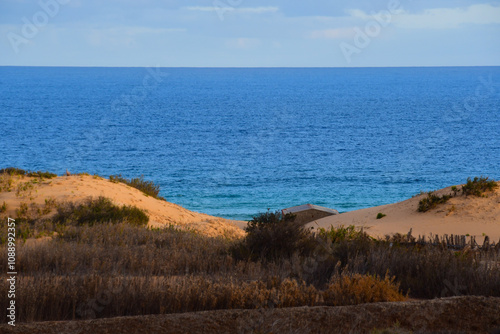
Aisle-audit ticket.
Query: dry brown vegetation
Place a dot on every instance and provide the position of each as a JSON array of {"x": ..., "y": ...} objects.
[
  {"x": 112, "y": 270},
  {"x": 96, "y": 260},
  {"x": 108, "y": 270}
]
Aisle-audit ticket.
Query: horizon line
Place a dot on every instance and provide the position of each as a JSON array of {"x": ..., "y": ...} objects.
[{"x": 253, "y": 67}]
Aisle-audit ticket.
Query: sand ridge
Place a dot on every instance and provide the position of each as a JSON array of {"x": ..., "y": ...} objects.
[
  {"x": 76, "y": 188},
  {"x": 476, "y": 216}
]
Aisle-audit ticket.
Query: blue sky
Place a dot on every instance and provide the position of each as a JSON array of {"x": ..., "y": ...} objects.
[{"x": 249, "y": 33}]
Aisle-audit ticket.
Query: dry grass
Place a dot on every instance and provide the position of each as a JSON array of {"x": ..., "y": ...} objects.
[
  {"x": 351, "y": 289},
  {"x": 108, "y": 270}
]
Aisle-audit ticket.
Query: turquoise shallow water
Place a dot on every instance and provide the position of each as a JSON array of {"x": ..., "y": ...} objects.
[{"x": 234, "y": 142}]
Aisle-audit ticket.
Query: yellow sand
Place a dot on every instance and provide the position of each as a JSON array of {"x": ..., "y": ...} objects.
[
  {"x": 476, "y": 216},
  {"x": 461, "y": 215},
  {"x": 76, "y": 188}
]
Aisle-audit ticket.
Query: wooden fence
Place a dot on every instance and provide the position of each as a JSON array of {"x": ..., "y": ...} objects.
[{"x": 452, "y": 241}]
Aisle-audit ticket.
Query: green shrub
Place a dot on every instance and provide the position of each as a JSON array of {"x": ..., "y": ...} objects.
[
  {"x": 46, "y": 175},
  {"x": 380, "y": 215},
  {"x": 147, "y": 187},
  {"x": 98, "y": 211},
  {"x": 13, "y": 171},
  {"x": 3, "y": 208},
  {"x": 19, "y": 171},
  {"x": 22, "y": 211},
  {"x": 478, "y": 186},
  {"x": 431, "y": 201},
  {"x": 273, "y": 236},
  {"x": 342, "y": 233}
]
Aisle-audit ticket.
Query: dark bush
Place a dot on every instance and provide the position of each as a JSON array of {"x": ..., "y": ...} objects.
[
  {"x": 47, "y": 175},
  {"x": 98, "y": 211},
  {"x": 431, "y": 201},
  {"x": 147, "y": 187},
  {"x": 19, "y": 171},
  {"x": 13, "y": 171},
  {"x": 273, "y": 236},
  {"x": 478, "y": 186}
]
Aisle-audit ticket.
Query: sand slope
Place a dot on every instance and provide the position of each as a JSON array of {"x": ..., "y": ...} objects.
[
  {"x": 461, "y": 215},
  {"x": 476, "y": 216},
  {"x": 79, "y": 187}
]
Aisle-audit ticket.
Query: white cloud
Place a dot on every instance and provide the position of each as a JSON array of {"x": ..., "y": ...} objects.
[
  {"x": 251, "y": 10},
  {"x": 443, "y": 18},
  {"x": 440, "y": 18}
]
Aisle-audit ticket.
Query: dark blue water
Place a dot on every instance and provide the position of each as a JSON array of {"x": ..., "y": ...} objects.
[{"x": 234, "y": 142}]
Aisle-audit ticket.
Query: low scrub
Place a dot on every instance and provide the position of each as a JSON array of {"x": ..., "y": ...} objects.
[
  {"x": 98, "y": 211},
  {"x": 18, "y": 171},
  {"x": 272, "y": 236},
  {"x": 431, "y": 201},
  {"x": 13, "y": 171},
  {"x": 107, "y": 270},
  {"x": 147, "y": 187},
  {"x": 36, "y": 221},
  {"x": 104, "y": 262},
  {"x": 351, "y": 289},
  {"x": 478, "y": 186},
  {"x": 342, "y": 233}
]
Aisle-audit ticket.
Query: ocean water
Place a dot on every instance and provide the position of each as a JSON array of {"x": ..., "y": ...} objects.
[{"x": 233, "y": 142}]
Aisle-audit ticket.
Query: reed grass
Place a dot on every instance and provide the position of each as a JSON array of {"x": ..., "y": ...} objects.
[{"x": 108, "y": 270}]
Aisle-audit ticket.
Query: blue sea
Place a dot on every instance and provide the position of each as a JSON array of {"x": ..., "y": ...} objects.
[{"x": 234, "y": 142}]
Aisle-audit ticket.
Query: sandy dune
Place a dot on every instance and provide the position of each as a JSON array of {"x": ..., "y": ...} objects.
[
  {"x": 460, "y": 215},
  {"x": 476, "y": 216},
  {"x": 78, "y": 187}
]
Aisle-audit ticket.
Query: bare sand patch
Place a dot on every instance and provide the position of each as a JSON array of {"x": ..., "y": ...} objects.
[{"x": 476, "y": 216}]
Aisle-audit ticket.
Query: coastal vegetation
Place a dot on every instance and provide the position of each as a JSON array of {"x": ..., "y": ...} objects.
[
  {"x": 478, "y": 186},
  {"x": 147, "y": 187},
  {"x": 32, "y": 220},
  {"x": 431, "y": 201},
  {"x": 98, "y": 211},
  {"x": 100, "y": 269},
  {"x": 95, "y": 259},
  {"x": 18, "y": 171},
  {"x": 475, "y": 187}
]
